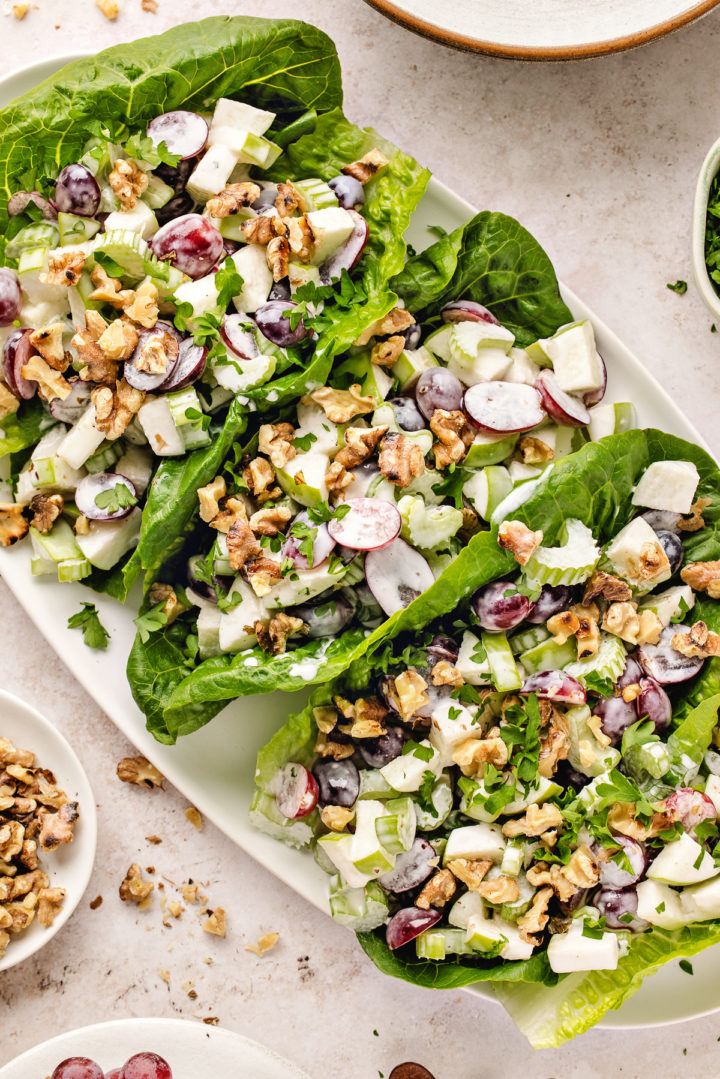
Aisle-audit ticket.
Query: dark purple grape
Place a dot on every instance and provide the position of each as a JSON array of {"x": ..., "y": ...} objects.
[
  {"x": 146, "y": 1066},
  {"x": 377, "y": 752},
  {"x": 169, "y": 339},
  {"x": 78, "y": 1068},
  {"x": 191, "y": 243},
  {"x": 184, "y": 133},
  {"x": 238, "y": 338},
  {"x": 266, "y": 199},
  {"x": 631, "y": 675},
  {"x": 661, "y": 661},
  {"x": 348, "y": 191},
  {"x": 616, "y": 715},
  {"x": 555, "y": 686},
  {"x": 663, "y": 520},
  {"x": 553, "y": 598},
  {"x": 438, "y": 388},
  {"x": 17, "y": 350},
  {"x": 501, "y": 408},
  {"x": 71, "y": 409},
  {"x": 10, "y": 297},
  {"x": 178, "y": 206},
  {"x": 175, "y": 176},
  {"x": 230, "y": 247},
  {"x": 442, "y": 648},
  {"x": 412, "y": 335},
  {"x": 594, "y": 397},
  {"x": 348, "y": 254},
  {"x": 673, "y": 548},
  {"x": 691, "y": 807},
  {"x": 408, "y": 415},
  {"x": 412, "y": 868},
  {"x": 409, "y": 923},
  {"x": 77, "y": 191},
  {"x": 329, "y": 615},
  {"x": 273, "y": 321},
  {"x": 566, "y": 776},
  {"x": 612, "y": 873},
  {"x": 109, "y": 489},
  {"x": 619, "y": 909},
  {"x": 467, "y": 311},
  {"x": 322, "y": 542},
  {"x": 654, "y": 704},
  {"x": 338, "y": 782},
  {"x": 280, "y": 291},
  {"x": 576, "y": 900},
  {"x": 499, "y": 606},
  {"x": 189, "y": 367}
]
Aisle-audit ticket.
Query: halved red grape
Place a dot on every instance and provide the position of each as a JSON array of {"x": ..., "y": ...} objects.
[
  {"x": 188, "y": 368},
  {"x": 673, "y": 548},
  {"x": 240, "y": 340},
  {"x": 147, "y": 380},
  {"x": 561, "y": 406},
  {"x": 631, "y": 674},
  {"x": 16, "y": 353},
  {"x": 347, "y": 256},
  {"x": 146, "y": 1066},
  {"x": 618, "y": 906},
  {"x": 77, "y": 191},
  {"x": 184, "y": 133},
  {"x": 467, "y": 311},
  {"x": 296, "y": 791},
  {"x": 369, "y": 523},
  {"x": 654, "y": 704},
  {"x": 71, "y": 409},
  {"x": 442, "y": 648},
  {"x": 555, "y": 686},
  {"x": 377, "y": 752},
  {"x": 338, "y": 782},
  {"x": 396, "y": 575},
  {"x": 20, "y": 200},
  {"x": 553, "y": 598},
  {"x": 102, "y": 485},
  {"x": 663, "y": 520},
  {"x": 350, "y": 192},
  {"x": 191, "y": 243},
  {"x": 691, "y": 807},
  {"x": 10, "y": 296},
  {"x": 438, "y": 388},
  {"x": 503, "y": 407},
  {"x": 328, "y": 615},
  {"x": 409, "y": 923},
  {"x": 412, "y": 868},
  {"x": 616, "y": 715},
  {"x": 412, "y": 335},
  {"x": 500, "y": 606},
  {"x": 612, "y": 873},
  {"x": 273, "y": 321},
  {"x": 594, "y": 397},
  {"x": 661, "y": 662},
  {"x": 407, "y": 413},
  {"x": 322, "y": 542},
  {"x": 78, "y": 1068}
]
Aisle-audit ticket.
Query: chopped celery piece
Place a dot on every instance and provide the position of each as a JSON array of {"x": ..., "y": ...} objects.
[
  {"x": 317, "y": 194},
  {"x": 157, "y": 193},
  {"x": 360, "y": 909},
  {"x": 230, "y": 228},
  {"x": 257, "y": 150},
  {"x": 513, "y": 858},
  {"x": 608, "y": 662},
  {"x": 59, "y": 544},
  {"x": 40, "y": 566},
  {"x": 105, "y": 457},
  {"x": 43, "y": 234},
  {"x": 549, "y": 656},
  {"x": 75, "y": 230},
  {"x": 486, "y": 489},
  {"x": 396, "y": 829},
  {"x": 126, "y": 248},
  {"x": 487, "y": 450},
  {"x": 528, "y": 638},
  {"x": 428, "y": 527},
  {"x": 73, "y": 569},
  {"x": 503, "y": 669},
  {"x": 437, "y": 943},
  {"x": 570, "y": 563}
]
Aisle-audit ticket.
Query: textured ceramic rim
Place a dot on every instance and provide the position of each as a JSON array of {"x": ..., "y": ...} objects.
[
  {"x": 708, "y": 171},
  {"x": 530, "y": 52}
]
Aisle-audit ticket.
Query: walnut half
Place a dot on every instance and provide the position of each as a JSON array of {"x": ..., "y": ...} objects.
[{"x": 140, "y": 771}]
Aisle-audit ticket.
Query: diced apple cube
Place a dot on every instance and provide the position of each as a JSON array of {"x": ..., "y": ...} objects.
[{"x": 667, "y": 485}]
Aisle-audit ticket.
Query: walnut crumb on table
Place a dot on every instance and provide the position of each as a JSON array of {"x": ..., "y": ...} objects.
[
  {"x": 20, "y": 10},
  {"x": 109, "y": 8},
  {"x": 265, "y": 944},
  {"x": 195, "y": 817}
]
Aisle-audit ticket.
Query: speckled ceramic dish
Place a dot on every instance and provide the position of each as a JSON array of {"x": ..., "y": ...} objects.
[{"x": 710, "y": 168}]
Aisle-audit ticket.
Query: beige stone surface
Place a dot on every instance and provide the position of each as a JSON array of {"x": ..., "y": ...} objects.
[{"x": 599, "y": 160}]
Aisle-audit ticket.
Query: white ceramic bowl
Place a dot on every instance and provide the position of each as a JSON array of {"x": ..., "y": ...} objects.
[
  {"x": 710, "y": 168},
  {"x": 70, "y": 866}
]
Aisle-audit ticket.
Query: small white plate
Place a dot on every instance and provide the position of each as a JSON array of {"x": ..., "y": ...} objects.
[
  {"x": 69, "y": 866},
  {"x": 193, "y": 1051},
  {"x": 544, "y": 29}
]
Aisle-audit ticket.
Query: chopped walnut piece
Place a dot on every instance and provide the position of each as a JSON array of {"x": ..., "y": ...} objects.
[
  {"x": 140, "y": 771},
  {"x": 605, "y": 585},
  {"x": 395, "y": 321},
  {"x": 262, "y": 573},
  {"x": 696, "y": 521},
  {"x": 82, "y": 526},
  {"x": 563, "y": 626},
  {"x": 473, "y": 754},
  {"x": 64, "y": 268},
  {"x": 109, "y": 8},
  {"x": 241, "y": 543},
  {"x": 51, "y": 384},
  {"x": 534, "y": 451},
  {"x": 454, "y": 436},
  {"x": 45, "y": 510},
  {"x": 444, "y": 674},
  {"x": 259, "y": 476},
  {"x": 209, "y": 498},
  {"x": 340, "y": 406},
  {"x": 158, "y": 352},
  {"x": 9, "y": 403},
  {"x": 337, "y": 478},
  {"x": 631, "y": 693},
  {"x": 215, "y": 924},
  {"x": 128, "y": 181},
  {"x": 232, "y": 199},
  {"x": 536, "y": 820},
  {"x": 554, "y": 744},
  {"x": 360, "y": 444},
  {"x": 262, "y": 229},
  {"x": 438, "y": 891},
  {"x": 535, "y": 919},
  {"x": 301, "y": 238},
  {"x": 96, "y": 325},
  {"x": 651, "y": 561},
  {"x": 365, "y": 168},
  {"x": 50, "y": 900},
  {"x": 369, "y": 713},
  {"x": 277, "y": 256},
  {"x": 621, "y": 818},
  {"x": 149, "y": 5},
  {"x": 336, "y": 818},
  {"x": 700, "y": 642},
  {"x": 275, "y": 440},
  {"x": 195, "y": 817},
  {"x": 114, "y": 411},
  {"x": 582, "y": 869},
  {"x": 118, "y": 341},
  {"x": 289, "y": 200},
  {"x": 108, "y": 289},
  {"x": 325, "y": 718},
  {"x": 521, "y": 541},
  {"x": 57, "y": 828},
  {"x": 386, "y": 352},
  {"x": 410, "y": 688},
  {"x": 274, "y": 638},
  {"x": 165, "y": 594},
  {"x": 401, "y": 459},
  {"x": 270, "y": 521},
  {"x": 133, "y": 888},
  {"x": 588, "y": 631},
  {"x": 635, "y": 627},
  {"x": 703, "y": 577},
  {"x": 48, "y": 342},
  {"x": 328, "y": 747},
  {"x": 20, "y": 10},
  {"x": 230, "y": 510},
  {"x": 471, "y": 873},
  {"x": 500, "y": 889},
  {"x": 13, "y": 525},
  {"x": 265, "y": 944},
  {"x": 143, "y": 307},
  {"x": 97, "y": 366}
]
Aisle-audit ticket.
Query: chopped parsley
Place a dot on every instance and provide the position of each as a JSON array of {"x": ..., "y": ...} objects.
[
  {"x": 425, "y": 792},
  {"x": 423, "y": 753},
  {"x": 686, "y": 966},
  {"x": 150, "y": 622},
  {"x": 680, "y": 287},
  {"x": 115, "y": 498},
  {"x": 87, "y": 619},
  {"x": 304, "y": 442}
]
